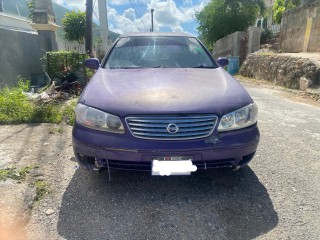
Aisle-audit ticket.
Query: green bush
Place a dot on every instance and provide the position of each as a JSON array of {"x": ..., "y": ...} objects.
[
  {"x": 266, "y": 35},
  {"x": 62, "y": 64}
]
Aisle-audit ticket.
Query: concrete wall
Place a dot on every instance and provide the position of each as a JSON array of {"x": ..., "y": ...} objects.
[
  {"x": 20, "y": 55},
  {"x": 300, "y": 29},
  {"x": 254, "y": 36},
  {"x": 229, "y": 45},
  {"x": 238, "y": 44}
]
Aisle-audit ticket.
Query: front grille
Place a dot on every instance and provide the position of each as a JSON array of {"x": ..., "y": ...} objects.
[{"x": 187, "y": 126}]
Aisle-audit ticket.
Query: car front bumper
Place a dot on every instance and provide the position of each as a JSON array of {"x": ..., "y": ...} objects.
[{"x": 96, "y": 150}]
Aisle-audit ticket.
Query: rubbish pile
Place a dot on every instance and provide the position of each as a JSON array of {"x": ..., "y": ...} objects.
[{"x": 57, "y": 91}]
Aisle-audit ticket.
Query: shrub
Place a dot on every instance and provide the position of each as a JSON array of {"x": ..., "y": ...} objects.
[
  {"x": 63, "y": 65},
  {"x": 266, "y": 35}
]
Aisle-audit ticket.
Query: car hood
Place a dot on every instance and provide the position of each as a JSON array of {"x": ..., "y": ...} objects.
[{"x": 126, "y": 92}]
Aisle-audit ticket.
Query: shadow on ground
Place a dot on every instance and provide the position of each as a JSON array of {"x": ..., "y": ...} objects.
[{"x": 207, "y": 205}]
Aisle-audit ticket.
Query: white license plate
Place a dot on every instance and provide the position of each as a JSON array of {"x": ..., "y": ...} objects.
[{"x": 167, "y": 168}]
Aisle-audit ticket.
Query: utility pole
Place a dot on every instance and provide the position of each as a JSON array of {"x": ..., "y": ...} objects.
[
  {"x": 1, "y": 6},
  {"x": 152, "y": 10},
  {"x": 88, "y": 38},
  {"x": 103, "y": 20}
]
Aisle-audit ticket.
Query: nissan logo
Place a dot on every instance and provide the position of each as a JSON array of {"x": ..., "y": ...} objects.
[{"x": 172, "y": 128}]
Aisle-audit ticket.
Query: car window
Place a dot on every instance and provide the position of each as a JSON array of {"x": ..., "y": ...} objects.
[{"x": 155, "y": 52}]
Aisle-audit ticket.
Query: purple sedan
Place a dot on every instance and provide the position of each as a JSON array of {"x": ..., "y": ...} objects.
[{"x": 160, "y": 103}]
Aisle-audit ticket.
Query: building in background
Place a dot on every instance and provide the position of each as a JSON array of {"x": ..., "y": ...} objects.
[{"x": 267, "y": 21}]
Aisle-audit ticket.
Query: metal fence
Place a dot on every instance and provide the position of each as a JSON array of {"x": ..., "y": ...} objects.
[
  {"x": 71, "y": 46},
  {"x": 275, "y": 29}
]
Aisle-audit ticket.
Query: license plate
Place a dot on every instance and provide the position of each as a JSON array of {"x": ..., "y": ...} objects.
[
  {"x": 172, "y": 158},
  {"x": 166, "y": 166}
]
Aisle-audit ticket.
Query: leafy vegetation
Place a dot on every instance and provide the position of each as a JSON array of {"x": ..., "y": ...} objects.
[
  {"x": 56, "y": 130},
  {"x": 42, "y": 189},
  {"x": 74, "y": 26},
  {"x": 14, "y": 173},
  {"x": 68, "y": 112},
  {"x": 31, "y": 4},
  {"x": 61, "y": 64},
  {"x": 223, "y": 17},
  {"x": 282, "y": 5},
  {"x": 266, "y": 35},
  {"x": 16, "y": 107}
]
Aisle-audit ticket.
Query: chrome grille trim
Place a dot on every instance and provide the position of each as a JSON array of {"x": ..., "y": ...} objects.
[{"x": 155, "y": 127}]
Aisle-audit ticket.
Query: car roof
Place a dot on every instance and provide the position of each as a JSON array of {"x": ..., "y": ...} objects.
[{"x": 156, "y": 34}]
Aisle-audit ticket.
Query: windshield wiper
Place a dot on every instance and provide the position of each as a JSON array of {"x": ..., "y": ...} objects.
[
  {"x": 131, "y": 67},
  {"x": 202, "y": 66}
]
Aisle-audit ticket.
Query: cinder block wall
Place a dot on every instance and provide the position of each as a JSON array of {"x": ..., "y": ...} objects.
[
  {"x": 19, "y": 55},
  {"x": 294, "y": 35}
]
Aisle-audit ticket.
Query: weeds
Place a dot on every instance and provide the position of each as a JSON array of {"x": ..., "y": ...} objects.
[
  {"x": 14, "y": 105},
  {"x": 42, "y": 189},
  {"x": 15, "y": 108},
  {"x": 47, "y": 113},
  {"x": 15, "y": 173},
  {"x": 56, "y": 130},
  {"x": 20, "y": 174},
  {"x": 69, "y": 112}
]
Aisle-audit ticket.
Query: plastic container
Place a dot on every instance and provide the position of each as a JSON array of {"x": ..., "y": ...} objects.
[{"x": 233, "y": 66}]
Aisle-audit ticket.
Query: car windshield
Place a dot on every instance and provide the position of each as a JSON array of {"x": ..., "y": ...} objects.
[{"x": 159, "y": 52}]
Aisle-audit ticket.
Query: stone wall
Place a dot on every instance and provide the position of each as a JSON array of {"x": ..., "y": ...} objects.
[
  {"x": 300, "y": 29},
  {"x": 254, "y": 36},
  {"x": 291, "y": 72},
  {"x": 20, "y": 55}
]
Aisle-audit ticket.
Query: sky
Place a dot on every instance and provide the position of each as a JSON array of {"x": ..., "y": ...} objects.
[{"x": 134, "y": 15}]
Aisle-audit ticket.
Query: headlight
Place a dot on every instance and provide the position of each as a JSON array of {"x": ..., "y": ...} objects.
[
  {"x": 240, "y": 118},
  {"x": 96, "y": 119}
]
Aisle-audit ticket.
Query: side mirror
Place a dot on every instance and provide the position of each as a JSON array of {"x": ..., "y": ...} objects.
[
  {"x": 223, "y": 61},
  {"x": 92, "y": 63}
]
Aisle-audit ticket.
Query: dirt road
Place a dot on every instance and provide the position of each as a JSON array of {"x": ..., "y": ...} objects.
[{"x": 276, "y": 197}]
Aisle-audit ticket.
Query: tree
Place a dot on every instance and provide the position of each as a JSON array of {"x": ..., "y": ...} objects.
[
  {"x": 280, "y": 6},
  {"x": 74, "y": 26},
  {"x": 31, "y": 7},
  {"x": 223, "y": 17}
]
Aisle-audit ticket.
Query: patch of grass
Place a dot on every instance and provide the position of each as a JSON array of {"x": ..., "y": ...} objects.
[
  {"x": 69, "y": 112},
  {"x": 42, "y": 189},
  {"x": 15, "y": 173},
  {"x": 47, "y": 113},
  {"x": 14, "y": 105},
  {"x": 15, "y": 108},
  {"x": 56, "y": 130}
]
